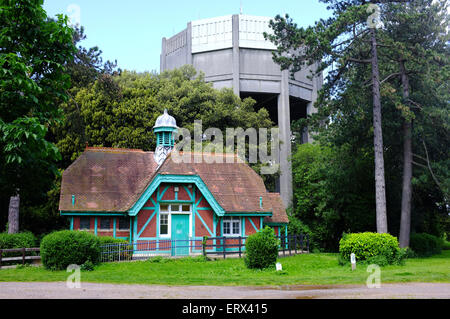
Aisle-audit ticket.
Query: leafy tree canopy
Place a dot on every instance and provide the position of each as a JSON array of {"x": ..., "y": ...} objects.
[{"x": 33, "y": 52}]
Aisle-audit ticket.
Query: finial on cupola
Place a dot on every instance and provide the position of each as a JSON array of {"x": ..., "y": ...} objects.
[{"x": 164, "y": 128}]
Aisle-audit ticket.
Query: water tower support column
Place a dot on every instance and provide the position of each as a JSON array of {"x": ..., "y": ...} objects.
[{"x": 284, "y": 124}]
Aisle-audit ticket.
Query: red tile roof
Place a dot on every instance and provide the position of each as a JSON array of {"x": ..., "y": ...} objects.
[
  {"x": 278, "y": 210},
  {"x": 108, "y": 179}
]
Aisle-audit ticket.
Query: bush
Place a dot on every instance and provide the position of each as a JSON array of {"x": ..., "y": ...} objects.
[
  {"x": 261, "y": 249},
  {"x": 19, "y": 240},
  {"x": 87, "y": 266},
  {"x": 109, "y": 248},
  {"x": 371, "y": 247},
  {"x": 425, "y": 245},
  {"x": 62, "y": 248},
  {"x": 446, "y": 245}
]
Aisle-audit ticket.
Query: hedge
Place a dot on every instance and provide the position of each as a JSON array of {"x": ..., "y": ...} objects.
[
  {"x": 261, "y": 249},
  {"x": 370, "y": 247},
  {"x": 18, "y": 240},
  {"x": 424, "y": 245},
  {"x": 62, "y": 248}
]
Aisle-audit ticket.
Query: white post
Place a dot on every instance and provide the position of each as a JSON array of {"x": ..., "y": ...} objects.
[{"x": 353, "y": 261}]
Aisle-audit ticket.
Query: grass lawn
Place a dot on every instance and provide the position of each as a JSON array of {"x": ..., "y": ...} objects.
[{"x": 320, "y": 268}]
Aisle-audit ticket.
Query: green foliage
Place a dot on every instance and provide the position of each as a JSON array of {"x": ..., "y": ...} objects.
[
  {"x": 63, "y": 248},
  {"x": 121, "y": 110},
  {"x": 34, "y": 49},
  {"x": 425, "y": 245},
  {"x": 114, "y": 246},
  {"x": 261, "y": 249},
  {"x": 415, "y": 33},
  {"x": 87, "y": 266},
  {"x": 331, "y": 193},
  {"x": 87, "y": 64},
  {"x": 446, "y": 245},
  {"x": 105, "y": 240},
  {"x": 18, "y": 240},
  {"x": 371, "y": 248},
  {"x": 42, "y": 219},
  {"x": 159, "y": 259}
]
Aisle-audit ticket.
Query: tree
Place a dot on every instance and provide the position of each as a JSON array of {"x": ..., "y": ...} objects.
[
  {"x": 33, "y": 51},
  {"x": 341, "y": 42},
  {"x": 87, "y": 64},
  {"x": 39, "y": 210},
  {"x": 86, "y": 67},
  {"x": 416, "y": 36},
  {"x": 332, "y": 193},
  {"x": 120, "y": 110}
]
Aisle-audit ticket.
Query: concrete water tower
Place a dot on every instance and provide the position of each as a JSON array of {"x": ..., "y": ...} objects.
[{"x": 231, "y": 51}]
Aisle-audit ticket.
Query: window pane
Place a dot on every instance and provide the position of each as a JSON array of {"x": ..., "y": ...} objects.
[
  {"x": 174, "y": 208},
  {"x": 164, "y": 208},
  {"x": 186, "y": 208},
  {"x": 164, "y": 224},
  {"x": 236, "y": 228},
  {"x": 226, "y": 228},
  {"x": 105, "y": 223},
  {"x": 85, "y": 222},
  {"x": 124, "y": 223}
]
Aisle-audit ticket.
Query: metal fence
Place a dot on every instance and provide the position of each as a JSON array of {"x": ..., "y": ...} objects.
[{"x": 212, "y": 246}]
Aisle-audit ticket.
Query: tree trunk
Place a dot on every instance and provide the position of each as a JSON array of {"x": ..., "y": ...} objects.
[
  {"x": 13, "y": 214},
  {"x": 405, "y": 221},
  {"x": 380, "y": 188}
]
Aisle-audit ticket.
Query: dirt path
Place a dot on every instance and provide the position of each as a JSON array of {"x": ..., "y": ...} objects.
[{"x": 59, "y": 290}]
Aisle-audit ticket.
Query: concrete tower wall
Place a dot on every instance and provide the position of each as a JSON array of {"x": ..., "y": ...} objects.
[{"x": 231, "y": 51}]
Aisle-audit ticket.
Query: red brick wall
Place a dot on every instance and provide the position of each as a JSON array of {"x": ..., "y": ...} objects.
[
  {"x": 76, "y": 222},
  {"x": 150, "y": 229},
  {"x": 149, "y": 203},
  {"x": 203, "y": 202},
  {"x": 169, "y": 194},
  {"x": 249, "y": 229},
  {"x": 208, "y": 218}
]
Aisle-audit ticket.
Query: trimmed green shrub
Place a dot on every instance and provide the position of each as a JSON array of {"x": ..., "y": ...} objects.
[
  {"x": 87, "y": 266},
  {"x": 104, "y": 240},
  {"x": 18, "y": 240},
  {"x": 371, "y": 247},
  {"x": 425, "y": 245},
  {"x": 261, "y": 249},
  {"x": 446, "y": 245},
  {"x": 110, "y": 246},
  {"x": 62, "y": 248}
]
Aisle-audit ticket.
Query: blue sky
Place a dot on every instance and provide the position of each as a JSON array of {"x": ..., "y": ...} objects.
[{"x": 131, "y": 31}]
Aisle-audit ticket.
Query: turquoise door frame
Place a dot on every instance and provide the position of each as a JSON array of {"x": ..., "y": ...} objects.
[{"x": 180, "y": 234}]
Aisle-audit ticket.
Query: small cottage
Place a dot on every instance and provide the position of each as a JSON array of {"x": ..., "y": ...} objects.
[{"x": 152, "y": 200}]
